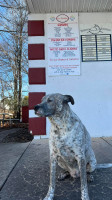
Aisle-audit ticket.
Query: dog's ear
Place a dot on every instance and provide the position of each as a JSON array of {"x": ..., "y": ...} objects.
[{"x": 68, "y": 98}]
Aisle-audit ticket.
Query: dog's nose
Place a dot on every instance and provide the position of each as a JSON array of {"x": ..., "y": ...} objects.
[{"x": 36, "y": 107}]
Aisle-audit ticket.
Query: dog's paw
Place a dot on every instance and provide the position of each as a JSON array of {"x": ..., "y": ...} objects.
[
  {"x": 85, "y": 196},
  {"x": 50, "y": 195}
]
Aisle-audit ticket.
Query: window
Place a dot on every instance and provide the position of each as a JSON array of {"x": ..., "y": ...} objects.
[{"x": 96, "y": 47}]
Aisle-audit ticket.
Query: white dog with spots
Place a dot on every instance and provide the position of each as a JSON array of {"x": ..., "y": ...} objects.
[{"x": 69, "y": 142}]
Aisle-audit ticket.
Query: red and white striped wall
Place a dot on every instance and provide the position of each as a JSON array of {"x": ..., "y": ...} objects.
[{"x": 37, "y": 72}]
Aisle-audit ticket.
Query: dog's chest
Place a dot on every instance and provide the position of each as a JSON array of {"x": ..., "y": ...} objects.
[{"x": 63, "y": 145}]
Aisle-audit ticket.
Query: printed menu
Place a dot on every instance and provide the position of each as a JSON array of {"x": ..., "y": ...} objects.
[{"x": 63, "y": 44}]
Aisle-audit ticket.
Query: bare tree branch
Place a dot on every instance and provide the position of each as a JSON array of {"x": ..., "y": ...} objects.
[{"x": 13, "y": 50}]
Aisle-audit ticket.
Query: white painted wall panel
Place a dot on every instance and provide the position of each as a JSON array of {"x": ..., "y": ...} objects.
[
  {"x": 37, "y": 88},
  {"x": 89, "y": 18},
  {"x": 32, "y": 114},
  {"x": 36, "y": 40},
  {"x": 92, "y": 90},
  {"x": 37, "y": 63},
  {"x": 36, "y": 17}
]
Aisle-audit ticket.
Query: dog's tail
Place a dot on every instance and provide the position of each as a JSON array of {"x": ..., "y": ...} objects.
[{"x": 103, "y": 166}]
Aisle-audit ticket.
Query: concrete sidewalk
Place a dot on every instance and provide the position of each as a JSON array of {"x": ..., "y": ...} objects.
[
  {"x": 10, "y": 153},
  {"x": 29, "y": 179}
]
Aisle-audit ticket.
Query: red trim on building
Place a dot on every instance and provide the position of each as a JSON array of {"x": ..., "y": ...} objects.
[
  {"x": 37, "y": 126},
  {"x": 35, "y": 98},
  {"x": 25, "y": 113},
  {"x": 37, "y": 76},
  {"x": 36, "y": 28},
  {"x": 36, "y": 52}
]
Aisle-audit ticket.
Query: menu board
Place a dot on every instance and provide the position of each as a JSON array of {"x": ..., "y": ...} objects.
[
  {"x": 89, "y": 47},
  {"x": 96, "y": 47},
  {"x": 104, "y": 47},
  {"x": 63, "y": 44}
]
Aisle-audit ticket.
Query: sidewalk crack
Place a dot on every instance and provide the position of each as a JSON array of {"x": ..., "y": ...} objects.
[
  {"x": 106, "y": 141},
  {"x": 14, "y": 167}
]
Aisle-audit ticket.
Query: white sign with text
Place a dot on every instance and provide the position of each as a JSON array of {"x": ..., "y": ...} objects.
[{"x": 63, "y": 44}]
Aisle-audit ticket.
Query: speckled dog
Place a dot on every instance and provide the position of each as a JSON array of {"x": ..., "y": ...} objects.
[{"x": 69, "y": 142}]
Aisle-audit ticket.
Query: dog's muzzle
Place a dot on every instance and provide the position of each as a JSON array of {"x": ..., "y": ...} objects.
[{"x": 36, "y": 109}]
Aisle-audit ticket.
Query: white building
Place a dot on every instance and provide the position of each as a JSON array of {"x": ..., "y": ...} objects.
[{"x": 70, "y": 52}]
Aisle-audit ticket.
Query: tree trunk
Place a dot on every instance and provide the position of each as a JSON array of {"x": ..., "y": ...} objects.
[
  {"x": 15, "y": 97},
  {"x": 20, "y": 87},
  {"x": 20, "y": 69}
]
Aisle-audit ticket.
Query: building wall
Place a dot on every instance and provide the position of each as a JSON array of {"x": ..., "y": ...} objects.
[
  {"x": 92, "y": 90},
  {"x": 25, "y": 114}
]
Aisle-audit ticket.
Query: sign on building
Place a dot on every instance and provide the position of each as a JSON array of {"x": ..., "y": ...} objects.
[
  {"x": 63, "y": 44},
  {"x": 96, "y": 42}
]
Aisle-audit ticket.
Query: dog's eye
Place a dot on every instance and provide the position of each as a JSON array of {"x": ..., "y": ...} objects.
[{"x": 49, "y": 100}]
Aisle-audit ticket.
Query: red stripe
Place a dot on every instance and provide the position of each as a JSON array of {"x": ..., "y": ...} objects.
[
  {"x": 37, "y": 126},
  {"x": 36, "y": 28},
  {"x": 36, "y": 52},
  {"x": 35, "y": 98},
  {"x": 25, "y": 113},
  {"x": 37, "y": 76}
]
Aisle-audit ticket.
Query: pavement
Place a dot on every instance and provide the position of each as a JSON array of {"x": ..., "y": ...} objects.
[
  {"x": 24, "y": 172},
  {"x": 10, "y": 154}
]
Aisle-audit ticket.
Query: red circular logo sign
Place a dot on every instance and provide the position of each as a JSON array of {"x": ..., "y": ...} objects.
[{"x": 62, "y": 18}]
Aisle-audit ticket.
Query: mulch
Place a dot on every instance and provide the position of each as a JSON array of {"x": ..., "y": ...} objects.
[{"x": 22, "y": 135}]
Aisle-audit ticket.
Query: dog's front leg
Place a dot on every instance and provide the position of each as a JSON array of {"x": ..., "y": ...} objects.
[
  {"x": 83, "y": 178},
  {"x": 51, "y": 190}
]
